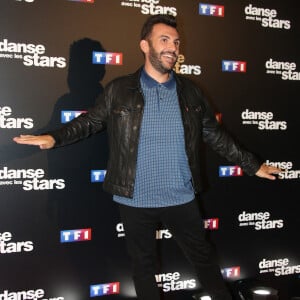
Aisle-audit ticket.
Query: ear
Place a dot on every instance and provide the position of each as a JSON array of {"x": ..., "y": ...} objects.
[{"x": 144, "y": 46}]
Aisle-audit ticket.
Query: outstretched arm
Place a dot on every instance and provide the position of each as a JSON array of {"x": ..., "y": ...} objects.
[
  {"x": 266, "y": 171},
  {"x": 45, "y": 141}
]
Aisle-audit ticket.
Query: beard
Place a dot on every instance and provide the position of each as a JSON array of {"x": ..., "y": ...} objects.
[{"x": 157, "y": 63}]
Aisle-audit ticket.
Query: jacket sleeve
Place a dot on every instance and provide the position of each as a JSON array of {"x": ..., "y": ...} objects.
[
  {"x": 84, "y": 125},
  {"x": 226, "y": 145}
]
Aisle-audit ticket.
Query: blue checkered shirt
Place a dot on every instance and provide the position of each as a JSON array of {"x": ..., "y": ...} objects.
[{"x": 163, "y": 176}]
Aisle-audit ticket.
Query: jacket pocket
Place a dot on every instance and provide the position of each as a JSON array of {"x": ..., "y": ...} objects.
[{"x": 121, "y": 111}]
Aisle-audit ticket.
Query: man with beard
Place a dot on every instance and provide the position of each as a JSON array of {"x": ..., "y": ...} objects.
[{"x": 156, "y": 121}]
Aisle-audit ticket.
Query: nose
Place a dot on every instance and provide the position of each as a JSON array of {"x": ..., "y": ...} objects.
[{"x": 173, "y": 46}]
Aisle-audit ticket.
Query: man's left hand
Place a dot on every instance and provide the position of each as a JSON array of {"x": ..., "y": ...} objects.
[{"x": 266, "y": 171}]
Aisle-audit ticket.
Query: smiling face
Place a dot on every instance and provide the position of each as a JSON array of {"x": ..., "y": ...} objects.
[{"x": 161, "y": 49}]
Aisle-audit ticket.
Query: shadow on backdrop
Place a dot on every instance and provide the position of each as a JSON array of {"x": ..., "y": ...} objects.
[
  {"x": 73, "y": 205},
  {"x": 81, "y": 204}
]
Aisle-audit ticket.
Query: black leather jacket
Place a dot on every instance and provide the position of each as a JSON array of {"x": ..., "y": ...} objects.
[{"x": 120, "y": 111}]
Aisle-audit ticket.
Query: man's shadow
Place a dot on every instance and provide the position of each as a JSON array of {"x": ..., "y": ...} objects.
[
  {"x": 73, "y": 205},
  {"x": 80, "y": 204}
]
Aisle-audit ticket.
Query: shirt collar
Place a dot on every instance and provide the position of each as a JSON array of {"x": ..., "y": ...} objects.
[{"x": 150, "y": 82}]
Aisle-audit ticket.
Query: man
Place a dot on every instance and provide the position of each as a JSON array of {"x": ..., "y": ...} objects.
[{"x": 156, "y": 121}]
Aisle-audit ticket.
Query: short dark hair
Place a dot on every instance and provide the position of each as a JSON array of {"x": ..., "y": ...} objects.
[{"x": 157, "y": 19}]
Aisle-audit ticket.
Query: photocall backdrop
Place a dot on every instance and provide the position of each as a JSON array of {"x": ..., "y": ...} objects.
[{"x": 61, "y": 237}]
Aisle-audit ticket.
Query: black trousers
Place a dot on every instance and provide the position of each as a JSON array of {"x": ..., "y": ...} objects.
[{"x": 186, "y": 225}]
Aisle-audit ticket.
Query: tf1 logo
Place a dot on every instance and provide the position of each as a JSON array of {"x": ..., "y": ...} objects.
[
  {"x": 211, "y": 10},
  {"x": 234, "y": 66},
  {"x": 68, "y": 115},
  {"x": 104, "y": 289},
  {"x": 211, "y": 224},
  {"x": 231, "y": 272},
  {"x": 76, "y": 235},
  {"x": 98, "y": 175},
  {"x": 107, "y": 58},
  {"x": 228, "y": 171}
]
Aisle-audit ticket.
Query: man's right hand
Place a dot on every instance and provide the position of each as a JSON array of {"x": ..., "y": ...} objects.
[{"x": 43, "y": 141}]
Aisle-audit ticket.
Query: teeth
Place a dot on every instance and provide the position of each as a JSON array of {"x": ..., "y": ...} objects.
[{"x": 169, "y": 56}]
